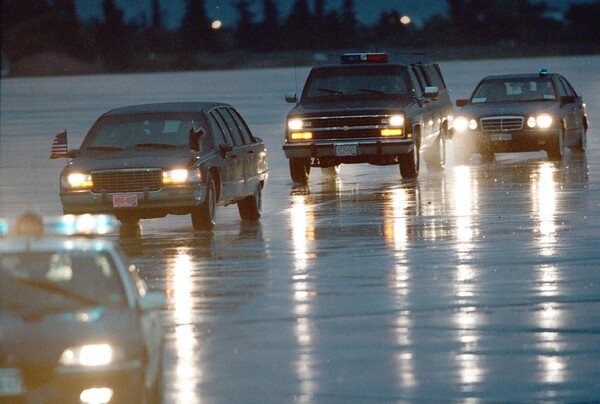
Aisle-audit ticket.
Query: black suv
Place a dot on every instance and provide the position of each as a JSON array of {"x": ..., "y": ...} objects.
[{"x": 369, "y": 108}]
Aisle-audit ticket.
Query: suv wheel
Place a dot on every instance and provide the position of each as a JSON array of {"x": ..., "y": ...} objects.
[
  {"x": 250, "y": 207},
  {"x": 435, "y": 158},
  {"x": 300, "y": 170},
  {"x": 409, "y": 163},
  {"x": 204, "y": 216}
]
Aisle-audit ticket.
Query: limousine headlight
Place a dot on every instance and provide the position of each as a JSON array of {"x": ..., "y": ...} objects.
[
  {"x": 180, "y": 176},
  {"x": 76, "y": 181}
]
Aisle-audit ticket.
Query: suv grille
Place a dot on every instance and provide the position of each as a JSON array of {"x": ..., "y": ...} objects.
[
  {"x": 345, "y": 127},
  {"x": 502, "y": 123},
  {"x": 127, "y": 180}
]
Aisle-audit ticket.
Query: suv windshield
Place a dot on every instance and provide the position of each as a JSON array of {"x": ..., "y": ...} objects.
[
  {"x": 514, "y": 90},
  {"x": 164, "y": 131},
  {"x": 36, "y": 283},
  {"x": 356, "y": 81}
]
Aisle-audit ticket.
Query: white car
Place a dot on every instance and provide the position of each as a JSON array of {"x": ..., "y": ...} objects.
[{"x": 77, "y": 324}]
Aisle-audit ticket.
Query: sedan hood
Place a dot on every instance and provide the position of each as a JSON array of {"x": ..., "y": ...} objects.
[
  {"x": 508, "y": 108},
  {"x": 132, "y": 158},
  {"x": 38, "y": 341}
]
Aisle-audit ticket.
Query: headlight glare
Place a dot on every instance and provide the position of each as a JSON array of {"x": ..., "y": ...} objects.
[
  {"x": 79, "y": 180},
  {"x": 397, "y": 120},
  {"x": 88, "y": 355},
  {"x": 177, "y": 176},
  {"x": 544, "y": 121},
  {"x": 531, "y": 122},
  {"x": 461, "y": 123},
  {"x": 295, "y": 124}
]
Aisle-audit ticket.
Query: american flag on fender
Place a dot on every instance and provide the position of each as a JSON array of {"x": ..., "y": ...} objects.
[{"x": 59, "y": 146}]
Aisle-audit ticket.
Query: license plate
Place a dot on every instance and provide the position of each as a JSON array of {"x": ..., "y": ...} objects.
[
  {"x": 125, "y": 200},
  {"x": 501, "y": 136},
  {"x": 346, "y": 150},
  {"x": 11, "y": 383}
]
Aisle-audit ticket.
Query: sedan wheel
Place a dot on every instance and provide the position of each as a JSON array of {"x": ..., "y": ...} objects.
[
  {"x": 557, "y": 151},
  {"x": 204, "y": 216}
]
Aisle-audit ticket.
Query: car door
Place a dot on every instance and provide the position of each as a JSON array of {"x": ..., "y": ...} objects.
[
  {"x": 423, "y": 118},
  {"x": 255, "y": 155},
  {"x": 236, "y": 158},
  {"x": 570, "y": 112},
  {"x": 226, "y": 163}
]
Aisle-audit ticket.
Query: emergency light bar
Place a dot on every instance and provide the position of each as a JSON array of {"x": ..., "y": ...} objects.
[
  {"x": 364, "y": 58},
  {"x": 67, "y": 225}
]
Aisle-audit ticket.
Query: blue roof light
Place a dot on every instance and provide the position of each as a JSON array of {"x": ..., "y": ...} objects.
[
  {"x": 543, "y": 72},
  {"x": 364, "y": 58}
]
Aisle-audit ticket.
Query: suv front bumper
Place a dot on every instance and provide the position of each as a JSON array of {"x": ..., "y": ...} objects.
[{"x": 340, "y": 150}]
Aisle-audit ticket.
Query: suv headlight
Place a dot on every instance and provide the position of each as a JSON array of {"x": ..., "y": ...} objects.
[
  {"x": 90, "y": 355},
  {"x": 295, "y": 124}
]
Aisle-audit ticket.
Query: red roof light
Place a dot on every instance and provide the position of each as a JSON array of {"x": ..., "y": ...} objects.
[{"x": 364, "y": 58}]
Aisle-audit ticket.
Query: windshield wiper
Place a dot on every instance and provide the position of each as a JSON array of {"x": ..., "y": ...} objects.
[
  {"x": 104, "y": 148},
  {"x": 53, "y": 287},
  {"x": 331, "y": 91},
  {"x": 368, "y": 90},
  {"x": 157, "y": 146}
]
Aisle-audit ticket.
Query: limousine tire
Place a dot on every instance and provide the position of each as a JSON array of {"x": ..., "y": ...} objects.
[
  {"x": 250, "y": 207},
  {"x": 204, "y": 216}
]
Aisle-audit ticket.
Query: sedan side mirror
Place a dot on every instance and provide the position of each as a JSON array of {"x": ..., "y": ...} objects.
[
  {"x": 291, "y": 98},
  {"x": 567, "y": 99},
  {"x": 225, "y": 148},
  {"x": 461, "y": 103}
]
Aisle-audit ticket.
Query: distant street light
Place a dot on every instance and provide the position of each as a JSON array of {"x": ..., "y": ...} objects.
[
  {"x": 216, "y": 24},
  {"x": 405, "y": 20}
]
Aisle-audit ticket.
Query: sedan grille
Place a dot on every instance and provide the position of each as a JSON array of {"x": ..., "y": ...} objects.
[
  {"x": 502, "y": 123},
  {"x": 127, "y": 180}
]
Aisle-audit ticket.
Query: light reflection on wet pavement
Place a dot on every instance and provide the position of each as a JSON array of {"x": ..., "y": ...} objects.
[{"x": 476, "y": 285}]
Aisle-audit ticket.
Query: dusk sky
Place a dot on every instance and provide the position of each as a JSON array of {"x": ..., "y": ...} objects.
[{"x": 368, "y": 11}]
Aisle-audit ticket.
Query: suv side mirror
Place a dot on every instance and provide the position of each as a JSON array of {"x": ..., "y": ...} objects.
[
  {"x": 431, "y": 92},
  {"x": 461, "y": 103},
  {"x": 225, "y": 148},
  {"x": 291, "y": 98}
]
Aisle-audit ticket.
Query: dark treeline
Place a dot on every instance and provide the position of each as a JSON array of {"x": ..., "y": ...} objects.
[{"x": 30, "y": 27}]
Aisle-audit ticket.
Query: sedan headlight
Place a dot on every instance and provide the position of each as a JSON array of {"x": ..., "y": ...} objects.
[
  {"x": 542, "y": 121},
  {"x": 77, "y": 181},
  {"x": 461, "y": 123},
  {"x": 90, "y": 355}
]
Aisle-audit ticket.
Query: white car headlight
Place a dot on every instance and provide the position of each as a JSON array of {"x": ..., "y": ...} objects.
[
  {"x": 89, "y": 355},
  {"x": 295, "y": 124}
]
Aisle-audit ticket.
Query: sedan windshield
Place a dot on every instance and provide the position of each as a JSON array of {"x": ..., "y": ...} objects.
[
  {"x": 38, "y": 283},
  {"x": 512, "y": 90},
  {"x": 158, "y": 131},
  {"x": 357, "y": 81}
]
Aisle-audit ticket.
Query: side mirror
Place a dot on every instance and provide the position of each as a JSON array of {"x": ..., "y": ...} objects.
[
  {"x": 225, "y": 148},
  {"x": 194, "y": 138},
  {"x": 152, "y": 301},
  {"x": 431, "y": 92},
  {"x": 291, "y": 98},
  {"x": 461, "y": 103},
  {"x": 567, "y": 99}
]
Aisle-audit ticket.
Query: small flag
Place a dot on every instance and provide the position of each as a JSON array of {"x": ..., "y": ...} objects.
[{"x": 59, "y": 146}]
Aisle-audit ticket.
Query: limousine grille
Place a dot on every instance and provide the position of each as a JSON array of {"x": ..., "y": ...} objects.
[{"x": 127, "y": 180}]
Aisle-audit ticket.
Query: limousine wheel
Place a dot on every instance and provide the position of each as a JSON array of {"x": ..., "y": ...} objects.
[
  {"x": 250, "y": 207},
  {"x": 203, "y": 217}
]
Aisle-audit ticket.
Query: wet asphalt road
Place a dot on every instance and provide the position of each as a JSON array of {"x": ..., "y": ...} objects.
[{"x": 478, "y": 284}]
